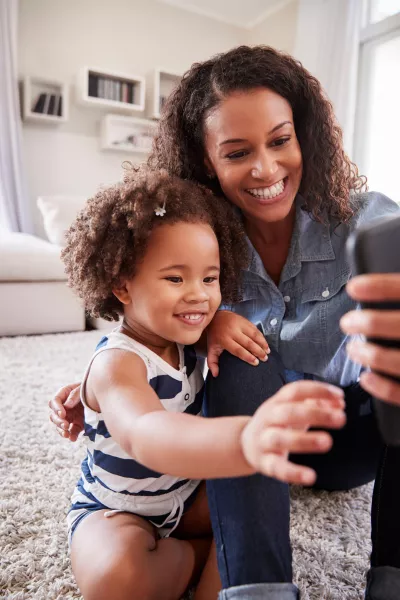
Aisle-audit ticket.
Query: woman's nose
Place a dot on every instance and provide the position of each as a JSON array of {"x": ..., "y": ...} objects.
[{"x": 265, "y": 167}]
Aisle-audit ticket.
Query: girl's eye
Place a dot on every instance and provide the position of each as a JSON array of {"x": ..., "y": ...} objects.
[
  {"x": 174, "y": 279},
  {"x": 210, "y": 279},
  {"x": 280, "y": 141},
  {"x": 237, "y": 154}
]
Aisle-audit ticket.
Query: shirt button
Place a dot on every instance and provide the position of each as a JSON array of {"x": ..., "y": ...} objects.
[
  {"x": 273, "y": 322},
  {"x": 187, "y": 396},
  {"x": 286, "y": 298},
  {"x": 325, "y": 293}
]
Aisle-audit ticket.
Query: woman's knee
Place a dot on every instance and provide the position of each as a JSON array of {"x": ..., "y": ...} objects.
[{"x": 240, "y": 388}]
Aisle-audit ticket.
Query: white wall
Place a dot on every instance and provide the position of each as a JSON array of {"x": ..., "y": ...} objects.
[
  {"x": 278, "y": 29},
  {"x": 58, "y": 37}
]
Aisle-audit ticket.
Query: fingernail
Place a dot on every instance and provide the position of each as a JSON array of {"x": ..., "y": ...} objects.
[
  {"x": 268, "y": 351},
  {"x": 358, "y": 351},
  {"x": 353, "y": 320},
  {"x": 265, "y": 358},
  {"x": 323, "y": 442},
  {"x": 336, "y": 390},
  {"x": 59, "y": 413},
  {"x": 256, "y": 362},
  {"x": 339, "y": 417}
]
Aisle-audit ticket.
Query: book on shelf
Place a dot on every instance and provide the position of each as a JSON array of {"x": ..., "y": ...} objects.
[
  {"x": 39, "y": 104},
  {"x": 48, "y": 104},
  {"x": 116, "y": 90},
  {"x": 93, "y": 85},
  {"x": 52, "y": 102}
]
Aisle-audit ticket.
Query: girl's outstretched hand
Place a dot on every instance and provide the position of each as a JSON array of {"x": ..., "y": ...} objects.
[
  {"x": 375, "y": 323},
  {"x": 66, "y": 411},
  {"x": 232, "y": 332},
  {"x": 280, "y": 427}
]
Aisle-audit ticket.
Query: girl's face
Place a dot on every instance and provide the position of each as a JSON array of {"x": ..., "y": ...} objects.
[
  {"x": 175, "y": 291},
  {"x": 251, "y": 146}
]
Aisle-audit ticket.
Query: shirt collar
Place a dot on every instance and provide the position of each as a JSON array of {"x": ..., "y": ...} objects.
[{"x": 311, "y": 241}]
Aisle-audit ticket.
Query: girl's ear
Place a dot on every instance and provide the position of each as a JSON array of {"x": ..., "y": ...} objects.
[{"x": 122, "y": 294}]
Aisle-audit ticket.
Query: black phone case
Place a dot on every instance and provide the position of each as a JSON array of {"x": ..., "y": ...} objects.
[{"x": 375, "y": 248}]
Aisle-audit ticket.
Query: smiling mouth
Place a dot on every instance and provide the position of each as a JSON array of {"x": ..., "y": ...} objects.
[
  {"x": 191, "y": 318},
  {"x": 268, "y": 193}
]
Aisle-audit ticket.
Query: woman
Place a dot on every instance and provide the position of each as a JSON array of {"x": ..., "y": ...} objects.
[{"x": 254, "y": 126}]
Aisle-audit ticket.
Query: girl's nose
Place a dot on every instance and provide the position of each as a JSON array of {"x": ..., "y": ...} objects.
[{"x": 196, "y": 293}]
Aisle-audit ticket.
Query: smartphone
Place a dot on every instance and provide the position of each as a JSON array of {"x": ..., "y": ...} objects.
[{"x": 375, "y": 248}]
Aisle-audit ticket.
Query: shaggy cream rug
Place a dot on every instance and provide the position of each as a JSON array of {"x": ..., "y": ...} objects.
[{"x": 330, "y": 532}]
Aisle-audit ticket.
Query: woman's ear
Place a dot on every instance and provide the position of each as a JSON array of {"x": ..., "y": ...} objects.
[
  {"x": 209, "y": 168},
  {"x": 122, "y": 294}
]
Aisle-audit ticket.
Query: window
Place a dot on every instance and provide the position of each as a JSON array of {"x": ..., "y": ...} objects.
[
  {"x": 380, "y": 9},
  {"x": 377, "y": 133}
]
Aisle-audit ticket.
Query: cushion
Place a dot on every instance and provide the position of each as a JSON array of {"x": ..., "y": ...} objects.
[
  {"x": 24, "y": 257},
  {"x": 58, "y": 213}
]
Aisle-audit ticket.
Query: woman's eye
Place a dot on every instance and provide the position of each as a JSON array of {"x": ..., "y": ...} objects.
[
  {"x": 174, "y": 279},
  {"x": 210, "y": 279},
  {"x": 280, "y": 141},
  {"x": 237, "y": 154}
]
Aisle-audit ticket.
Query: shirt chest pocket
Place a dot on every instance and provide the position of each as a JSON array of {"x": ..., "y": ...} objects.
[
  {"x": 255, "y": 304},
  {"x": 323, "y": 305}
]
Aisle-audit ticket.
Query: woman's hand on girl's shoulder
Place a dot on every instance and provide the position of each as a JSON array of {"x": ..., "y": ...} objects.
[
  {"x": 376, "y": 324},
  {"x": 66, "y": 411},
  {"x": 280, "y": 427},
  {"x": 238, "y": 336}
]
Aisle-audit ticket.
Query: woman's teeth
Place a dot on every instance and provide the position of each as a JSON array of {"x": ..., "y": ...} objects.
[{"x": 268, "y": 192}]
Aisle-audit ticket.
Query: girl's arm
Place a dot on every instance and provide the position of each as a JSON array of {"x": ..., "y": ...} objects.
[{"x": 198, "y": 448}]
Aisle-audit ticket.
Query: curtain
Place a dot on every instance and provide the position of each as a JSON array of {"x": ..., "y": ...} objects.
[
  {"x": 15, "y": 214},
  {"x": 327, "y": 43}
]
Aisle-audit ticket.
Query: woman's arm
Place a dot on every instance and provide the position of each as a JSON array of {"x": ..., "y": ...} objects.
[
  {"x": 66, "y": 411},
  {"x": 238, "y": 336}
]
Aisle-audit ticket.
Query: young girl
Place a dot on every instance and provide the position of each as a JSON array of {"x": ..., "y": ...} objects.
[{"x": 162, "y": 253}]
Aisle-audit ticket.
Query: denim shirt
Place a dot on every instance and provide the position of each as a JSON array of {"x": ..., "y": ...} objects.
[{"x": 300, "y": 317}]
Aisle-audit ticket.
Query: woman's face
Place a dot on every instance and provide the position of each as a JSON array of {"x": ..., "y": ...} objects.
[{"x": 251, "y": 146}]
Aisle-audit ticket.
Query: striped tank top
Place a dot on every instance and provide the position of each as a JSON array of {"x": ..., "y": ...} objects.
[{"x": 111, "y": 476}]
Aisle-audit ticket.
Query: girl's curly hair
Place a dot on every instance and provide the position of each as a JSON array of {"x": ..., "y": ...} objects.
[
  {"x": 109, "y": 236},
  {"x": 328, "y": 173}
]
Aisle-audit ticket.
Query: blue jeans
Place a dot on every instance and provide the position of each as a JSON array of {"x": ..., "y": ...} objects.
[{"x": 251, "y": 515}]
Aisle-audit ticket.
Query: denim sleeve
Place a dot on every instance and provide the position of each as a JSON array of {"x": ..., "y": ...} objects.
[{"x": 373, "y": 205}]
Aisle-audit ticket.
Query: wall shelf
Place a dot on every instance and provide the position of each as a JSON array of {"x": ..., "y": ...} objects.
[
  {"x": 127, "y": 134},
  {"x": 162, "y": 83},
  {"x": 112, "y": 90},
  {"x": 44, "y": 100}
]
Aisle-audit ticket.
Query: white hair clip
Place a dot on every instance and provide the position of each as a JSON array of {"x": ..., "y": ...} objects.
[{"x": 160, "y": 210}]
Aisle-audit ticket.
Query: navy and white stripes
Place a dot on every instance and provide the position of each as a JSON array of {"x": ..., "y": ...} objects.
[{"x": 109, "y": 476}]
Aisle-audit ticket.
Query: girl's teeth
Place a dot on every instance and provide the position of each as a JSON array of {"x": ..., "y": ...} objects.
[
  {"x": 192, "y": 317},
  {"x": 270, "y": 192}
]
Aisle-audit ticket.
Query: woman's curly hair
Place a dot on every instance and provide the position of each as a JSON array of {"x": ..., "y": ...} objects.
[
  {"x": 328, "y": 174},
  {"x": 109, "y": 236}
]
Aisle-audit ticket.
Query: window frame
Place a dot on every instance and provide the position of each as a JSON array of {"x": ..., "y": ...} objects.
[{"x": 371, "y": 35}]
